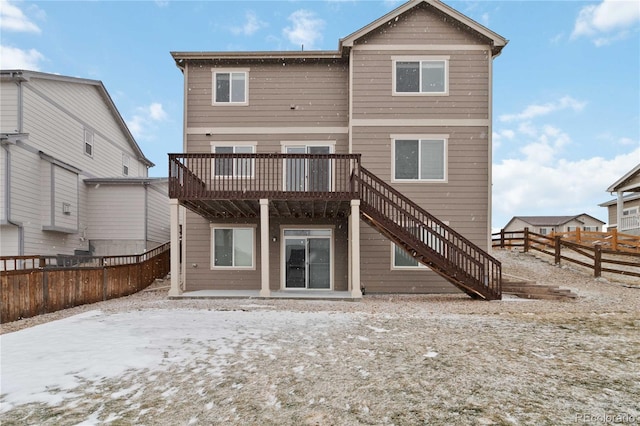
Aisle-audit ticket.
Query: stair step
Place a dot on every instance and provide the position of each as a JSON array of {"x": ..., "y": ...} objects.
[{"x": 531, "y": 290}]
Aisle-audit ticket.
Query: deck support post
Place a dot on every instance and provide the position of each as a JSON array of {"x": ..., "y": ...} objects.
[
  {"x": 354, "y": 250},
  {"x": 264, "y": 248},
  {"x": 174, "y": 220}
]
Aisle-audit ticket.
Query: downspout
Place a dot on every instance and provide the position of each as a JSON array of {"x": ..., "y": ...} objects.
[
  {"x": 146, "y": 215},
  {"x": 7, "y": 169},
  {"x": 7, "y": 206}
]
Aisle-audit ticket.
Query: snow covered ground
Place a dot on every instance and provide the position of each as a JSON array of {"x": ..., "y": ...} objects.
[{"x": 387, "y": 360}]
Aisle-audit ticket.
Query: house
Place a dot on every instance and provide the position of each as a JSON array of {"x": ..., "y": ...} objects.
[
  {"x": 73, "y": 179},
  {"x": 546, "y": 225},
  {"x": 624, "y": 211},
  {"x": 317, "y": 172}
]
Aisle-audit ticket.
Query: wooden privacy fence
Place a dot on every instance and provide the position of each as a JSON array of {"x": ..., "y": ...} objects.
[
  {"x": 589, "y": 252},
  {"x": 35, "y": 285}
]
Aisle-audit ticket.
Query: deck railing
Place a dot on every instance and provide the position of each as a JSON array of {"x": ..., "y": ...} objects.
[{"x": 277, "y": 176}]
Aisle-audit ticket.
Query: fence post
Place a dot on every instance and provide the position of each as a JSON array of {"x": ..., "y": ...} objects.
[
  {"x": 614, "y": 239},
  {"x": 502, "y": 238},
  {"x": 526, "y": 239},
  {"x": 104, "y": 282},
  {"x": 558, "y": 242},
  {"x": 45, "y": 291},
  {"x": 597, "y": 266},
  {"x": 578, "y": 236}
]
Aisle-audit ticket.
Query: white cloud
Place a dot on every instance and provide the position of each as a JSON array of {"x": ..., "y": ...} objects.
[
  {"x": 562, "y": 187},
  {"x": 143, "y": 121},
  {"x": 532, "y": 111},
  {"x": 12, "y": 19},
  {"x": 306, "y": 29},
  {"x": 608, "y": 21},
  {"x": 14, "y": 58},
  {"x": 251, "y": 25}
]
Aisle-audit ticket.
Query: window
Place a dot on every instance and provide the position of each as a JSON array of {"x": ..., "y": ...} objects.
[
  {"x": 426, "y": 77},
  {"x": 88, "y": 142},
  {"x": 631, "y": 211},
  {"x": 402, "y": 259},
  {"x": 590, "y": 228},
  {"x": 232, "y": 247},
  {"x": 125, "y": 165},
  {"x": 420, "y": 160},
  {"x": 544, "y": 231},
  {"x": 230, "y": 87},
  {"x": 432, "y": 235},
  {"x": 233, "y": 167}
]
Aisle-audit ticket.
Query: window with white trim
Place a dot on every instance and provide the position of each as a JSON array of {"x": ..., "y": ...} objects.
[
  {"x": 125, "y": 165},
  {"x": 88, "y": 142},
  {"x": 232, "y": 247},
  {"x": 630, "y": 211},
  {"x": 421, "y": 77},
  {"x": 544, "y": 231},
  {"x": 590, "y": 228},
  {"x": 233, "y": 167},
  {"x": 230, "y": 87},
  {"x": 420, "y": 160}
]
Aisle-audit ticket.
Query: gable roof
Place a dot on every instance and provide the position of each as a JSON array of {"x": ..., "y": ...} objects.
[
  {"x": 25, "y": 75},
  {"x": 624, "y": 183},
  {"x": 550, "y": 220},
  {"x": 497, "y": 41},
  {"x": 344, "y": 45}
]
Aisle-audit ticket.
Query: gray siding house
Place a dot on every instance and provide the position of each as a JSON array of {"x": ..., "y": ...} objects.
[
  {"x": 624, "y": 211},
  {"x": 72, "y": 177},
  {"x": 367, "y": 167},
  {"x": 546, "y": 225}
]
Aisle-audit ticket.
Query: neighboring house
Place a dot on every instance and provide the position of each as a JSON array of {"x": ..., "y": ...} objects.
[
  {"x": 286, "y": 151},
  {"x": 72, "y": 177},
  {"x": 546, "y": 225},
  {"x": 624, "y": 211}
]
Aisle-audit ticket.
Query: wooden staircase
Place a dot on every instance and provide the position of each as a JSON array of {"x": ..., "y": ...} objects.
[{"x": 427, "y": 239}]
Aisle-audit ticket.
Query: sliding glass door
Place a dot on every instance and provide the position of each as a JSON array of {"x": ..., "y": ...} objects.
[
  {"x": 307, "y": 258},
  {"x": 308, "y": 174}
]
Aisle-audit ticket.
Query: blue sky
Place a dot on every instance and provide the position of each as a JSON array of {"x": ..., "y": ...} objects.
[{"x": 566, "y": 87}]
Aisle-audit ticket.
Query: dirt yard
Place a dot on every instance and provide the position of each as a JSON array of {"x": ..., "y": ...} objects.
[{"x": 403, "y": 360}]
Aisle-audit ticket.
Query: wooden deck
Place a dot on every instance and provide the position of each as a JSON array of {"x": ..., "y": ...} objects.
[
  {"x": 322, "y": 186},
  {"x": 296, "y": 185}
]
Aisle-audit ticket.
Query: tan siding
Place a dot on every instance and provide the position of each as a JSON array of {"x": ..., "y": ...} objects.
[
  {"x": 421, "y": 25},
  {"x": 468, "y": 88},
  {"x": 377, "y": 276},
  {"x": 317, "y": 90},
  {"x": 463, "y": 200},
  {"x": 201, "y": 277},
  {"x": 198, "y": 235}
]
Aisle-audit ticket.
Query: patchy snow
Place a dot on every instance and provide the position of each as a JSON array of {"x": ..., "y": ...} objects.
[{"x": 49, "y": 361}]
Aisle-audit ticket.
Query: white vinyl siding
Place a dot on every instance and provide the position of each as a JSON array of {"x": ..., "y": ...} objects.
[
  {"x": 230, "y": 87},
  {"x": 125, "y": 165},
  {"x": 88, "y": 142},
  {"x": 420, "y": 160},
  {"x": 232, "y": 247}
]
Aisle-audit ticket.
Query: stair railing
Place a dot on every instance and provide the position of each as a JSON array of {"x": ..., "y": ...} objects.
[{"x": 428, "y": 239}]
